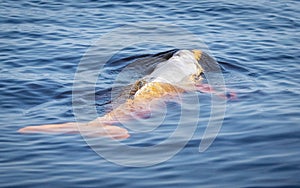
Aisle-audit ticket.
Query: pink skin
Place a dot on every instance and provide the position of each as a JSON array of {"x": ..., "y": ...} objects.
[
  {"x": 139, "y": 107},
  {"x": 205, "y": 88},
  {"x": 111, "y": 131},
  {"x": 105, "y": 128}
]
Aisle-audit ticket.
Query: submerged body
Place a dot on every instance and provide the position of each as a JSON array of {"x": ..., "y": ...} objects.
[{"x": 180, "y": 73}]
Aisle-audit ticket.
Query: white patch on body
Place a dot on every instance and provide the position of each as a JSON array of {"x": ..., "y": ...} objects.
[{"x": 176, "y": 69}]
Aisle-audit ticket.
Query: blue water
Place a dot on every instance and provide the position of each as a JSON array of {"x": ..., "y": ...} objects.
[{"x": 42, "y": 43}]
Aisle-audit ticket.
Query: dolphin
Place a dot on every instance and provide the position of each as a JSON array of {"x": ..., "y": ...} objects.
[{"x": 181, "y": 72}]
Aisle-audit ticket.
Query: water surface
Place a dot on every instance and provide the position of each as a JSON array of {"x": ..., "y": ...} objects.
[{"x": 42, "y": 43}]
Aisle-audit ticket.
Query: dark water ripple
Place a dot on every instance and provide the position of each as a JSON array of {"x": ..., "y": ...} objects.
[{"x": 42, "y": 42}]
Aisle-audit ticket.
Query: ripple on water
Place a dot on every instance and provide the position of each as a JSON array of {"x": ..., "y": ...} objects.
[{"x": 42, "y": 42}]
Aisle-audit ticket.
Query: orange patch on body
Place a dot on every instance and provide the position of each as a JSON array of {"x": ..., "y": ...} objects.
[{"x": 141, "y": 100}]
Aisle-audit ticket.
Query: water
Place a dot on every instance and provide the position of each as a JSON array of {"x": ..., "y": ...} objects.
[{"x": 42, "y": 42}]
